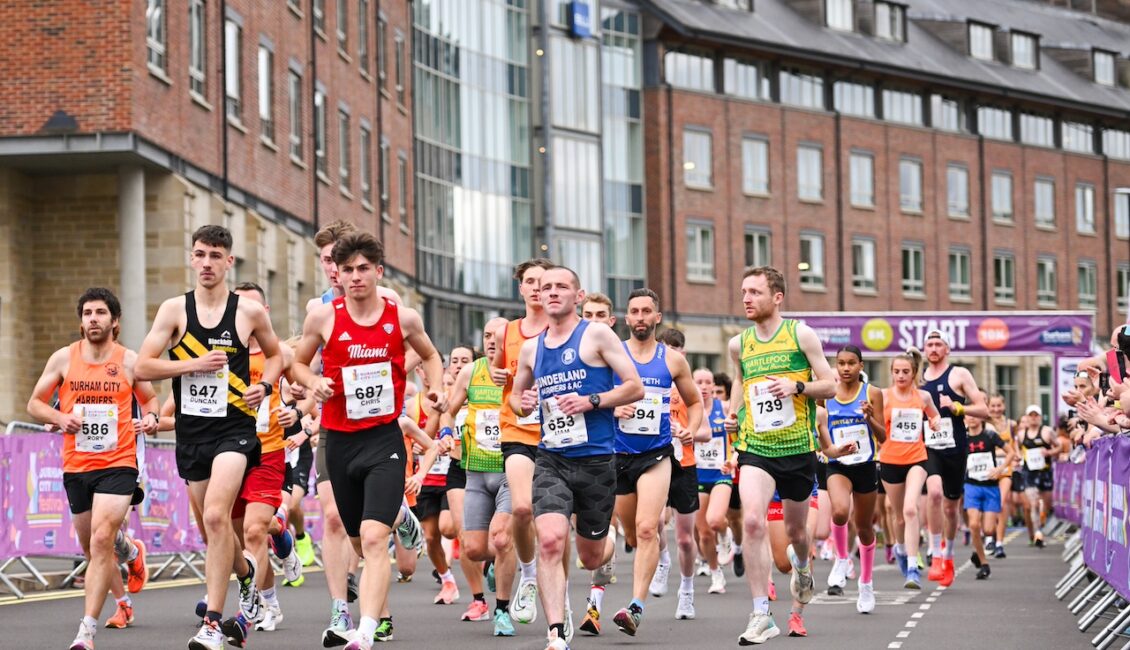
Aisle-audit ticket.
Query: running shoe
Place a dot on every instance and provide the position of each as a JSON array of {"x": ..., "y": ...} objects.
[
  {"x": 760, "y": 629},
  {"x": 903, "y": 562},
  {"x": 122, "y": 618},
  {"x": 341, "y": 624},
  {"x": 359, "y": 643},
  {"x": 701, "y": 568},
  {"x": 524, "y": 608},
  {"x": 865, "y": 604},
  {"x": 448, "y": 593},
  {"x": 837, "y": 577},
  {"x": 556, "y": 643},
  {"x": 84, "y": 640},
  {"x": 947, "y": 572},
  {"x": 351, "y": 590},
  {"x": 913, "y": 579},
  {"x": 890, "y": 554},
  {"x": 717, "y": 582},
  {"x": 628, "y": 620},
  {"x": 304, "y": 546},
  {"x": 937, "y": 569},
  {"x": 983, "y": 572},
  {"x": 658, "y": 585},
  {"x": 236, "y": 630},
  {"x": 295, "y": 583},
  {"x": 739, "y": 565},
  {"x": 476, "y": 611},
  {"x": 208, "y": 638},
  {"x": 408, "y": 532},
  {"x": 998, "y": 552},
  {"x": 796, "y": 625},
  {"x": 725, "y": 547},
  {"x": 292, "y": 568},
  {"x": 1039, "y": 539},
  {"x": 383, "y": 632},
  {"x": 248, "y": 592},
  {"x": 772, "y": 590},
  {"x": 605, "y": 574},
  {"x": 801, "y": 584},
  {"x": 685, "y": 609},
  {"x": 202, "y": 607},
  {"x": 990, "y": 545},
  {"x": 488, "y": 571},
  {"x": 975, "y": 559},
  {"x": 568, "y": 621},
  {"x": 590, "y": 624},
  {"x": 503, "y": 626},
  {"x": 138, "y": 569},
  {"x": 272, "y": 616}
]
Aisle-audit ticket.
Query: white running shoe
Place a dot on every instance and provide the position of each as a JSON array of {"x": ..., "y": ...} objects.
[
  {"x": 524, "y": 609},
  {"x": 605, "y": 574},
  {"x": 866, "y": 602},
  {"x": 249, "y": 593},
  {"x": 826, "y": 552},
  {"x": 84, "y": 640},
  {"x": 701, "y": 568},
  {"x": 717, "y": 582},
  {"x": 837, "y": 577},
  {"x": 208, "y": 638},
  {"x": 408, "y": 533},
  {"x": 292, "y": 567},
  {"x": 725, "y": 547},
  {"x": 272, "y": 616},
  {"x": 685, "y": 610},
  {"x": 760, "y": 629},
  {"x": 568, "y": 622},
  {"x": 658, "y": 585},
  {"x": 801, "y": 583}
]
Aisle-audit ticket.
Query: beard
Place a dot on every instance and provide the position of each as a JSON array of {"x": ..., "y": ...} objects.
[{"x": 643, "y": 334}]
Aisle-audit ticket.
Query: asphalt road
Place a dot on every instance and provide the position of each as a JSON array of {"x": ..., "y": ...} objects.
[{"x": 1013, "y": 609}]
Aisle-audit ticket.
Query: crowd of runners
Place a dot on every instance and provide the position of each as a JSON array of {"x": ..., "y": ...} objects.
[{"x": 547, "y": 448}]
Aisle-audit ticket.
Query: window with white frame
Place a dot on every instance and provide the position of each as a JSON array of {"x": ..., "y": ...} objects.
[
  {"x": 890, "y": 21},
  {"x": 994, "y": 122},
  {"x": 1122, "y": 213},
  {"x": 689, "y": 70},
  {"x": 319, "y": 15},
  {"x": 810, "y": 173},
  {"x": 744, "y": 79},
  {"x": 1085, "y": 208},
  {"x": 266, "y": 93},
  {"x": 343, "y": 25},
  {"x": 852, "y": 98},
  {"x": 197, "y": 47},
  {"x": 365, "y": 144},
  {"x": 1004, "y": 278},
  {"x": 1103, "y": 63},
  {"x": 957, "y": 190},
  {"x": 700, "y": 251},
  {"x": 321, "y": 161},
  {"x": 1043, "y": 202},
  {"x": 343, "y": 168},
  {"x": 862, "y": 170},
  {"x": 863, "y": 264},
  {"x": 233, "y": 43},
  {"x": 294, "y": 104},
  {"x": 913, "y": 269},
  {"x": 1088, "y": 284},
  {"x": 758, "y": 247},
  {"x": 399, "y": 63},
  {"x": 363, "y": 35},
  {"x": 1002, "y": 195},
  {"x": 902, "y": 106},
  {"x": 838, "y": 14},
  {"x": 755, "y": 165},
  {"x": 1037, "y": 129},
  {"x": 385, "y": 175},
  {"x": 980, "y": 41},
  {"x": 945, "y": 113},
  {"x": 811, "y": 265},
  {"x": 801, "y": 88},
  {"x": 1078, "y": 137},
  {"x": 910, "y": 185},
  {"x": 1045, "y": 282},
  {"x": 1025, "y": 51},
  {"x": 1122, "y": 289},
  {"x": 697, "y": 158},
  {"x": 402, "y": 185},
  {"x": 1116, "y": 144},
  {"x": 1008, "y": 385},
  {"x": 156, "y": 39},
  {"x": 960, "y": 274}
]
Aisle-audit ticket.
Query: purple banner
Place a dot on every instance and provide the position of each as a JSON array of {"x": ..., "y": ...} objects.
[
  {"x": 36, "y": 517},
  {"x": 1067, "y": 493},
  {"x": 1106, "y": 477},
  {"x": 969, "y": 332},
  {"x": 164, "y": 519}
]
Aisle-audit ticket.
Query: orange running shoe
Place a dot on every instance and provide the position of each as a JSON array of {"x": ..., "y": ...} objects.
[
  {"x": 122, "y": 618},
  {"x": 937, "y": 569},
  {"x": 947, "y": 572},
  {"x": 448, "y": 594},
  {"x": 796, "y": 625},
  {"x": 478, "y": 611},
  {"x": 138, "y": 569}
]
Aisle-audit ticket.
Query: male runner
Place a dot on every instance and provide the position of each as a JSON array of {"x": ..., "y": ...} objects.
[
  {"x": 598, "y": 307},
  {"x": 364, "y": 338},
  {"x": 955, "y": 394},
  {"x": 206, "y": 332},
  {"x": 96, "y": 381},
  {"x": 1037, "y": 444},
  {"x": 520, "y": 435},
  {"x": 643, "y": 445},
  {"x": 783, "y": 372},
  {"x": 573, "y": 364},
  {"x": 982, "y": 493}
]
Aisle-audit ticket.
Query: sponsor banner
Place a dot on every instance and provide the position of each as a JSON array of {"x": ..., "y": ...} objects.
[
  {"x": 1067, "y": 493},
  {"x": 1105, "y": 482},
  {"x": 1057, "y": 333}
]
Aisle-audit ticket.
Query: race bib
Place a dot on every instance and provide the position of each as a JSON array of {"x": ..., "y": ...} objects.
[
  {"x": 533, "y": 418},
  {"x": 99, "y": 432},
  {"x": 770, "y": 413},
  {"x": 460, "y": 420},
  {"x": 440, "y": 467},
  {"x": 263, "y": 417},
  {"x": 710, "y": 455},
  {"x": 1035, "y": 459},
  {"x": 559, "y": 430},
  {"x": 942, "y": 437},
  {"x": 648, "y": 413},
  {"x": 906, "y": 425},
  {"x": 205, "y": 394},
  {"x": 861, "y": 436},
  {"x": 292, "y": 457},
  {"x": 368, "y": 390},
  {"x": 978, "y": 465},
  {"x": 488, "y": 433}
]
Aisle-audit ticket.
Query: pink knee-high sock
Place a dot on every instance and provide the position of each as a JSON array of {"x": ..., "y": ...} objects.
[
  {"x": 866, "y": 561},
  {"x": 840, "y": 537}
]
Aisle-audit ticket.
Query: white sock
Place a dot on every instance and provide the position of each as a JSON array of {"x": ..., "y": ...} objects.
[
  {"x": 596, "y": 595},
  {"x": 947, "y": 552},
  {"x": 124, "y": 600},
  {"x": 665, "y": 557},
  {"x": 899, "y": 550},
  {"x": 737, "y": 549},
  {"x": 935, "y": 544},
  {"x": 529, "y": 570},
  {"x": 367, "y": 627},
  {"x": 91, "y": 624},
  {"x": 761, "y": 604},
  {"x": 271, "y": 596},
  {"x": 445, "y": 577},
  {"x": 686, "y": 584}
]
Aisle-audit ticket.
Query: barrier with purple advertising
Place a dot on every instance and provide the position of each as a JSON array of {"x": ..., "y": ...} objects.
[
  {"x": 1068, "y": 492},
  {"x": 1105, "y": 511}
]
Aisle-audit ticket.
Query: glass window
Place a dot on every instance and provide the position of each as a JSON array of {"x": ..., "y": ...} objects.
[
  {"x": 910, "y": 185},
  {"x": 852, "y": 98},
  {"x": 382, "y": 52},
  {"x": 697, "y": 159},
  {"x": 902, "y": 106},
  {"x": 811, "y": 264},
  {"x": 1122, "y": 213},
  {"x": 758, "y": 247},
  {"x": 400, "y": 74},
  {"x": 1044, "y": 202},
  {"x": 366, "y": 171},
  {"x": 994, "y": 122},
  {"x": 1116, "y": 144},
  {"x": 1088, "y": 285},
  {"x": 197, "y": 47},
  {"x": 1044, "y": 387},
  {"x": 1085, "y": 208},
  {"x": 1025, "y": 53},
  {"x": 1002, "y": 196},
  {"x": 1122, "y": 289},
  {"x": 800, "y": 88},
  {"x": 1008, "y": 385},
  {"x": 755, "y": 165},
  {"x": 1004, "y": 278},
  {"x": 957, "y": 190},
  {"x": 946, "y": 114},
  {"x": 1037, "y": 130},
  {"x": 863, "y": 264},
  {"x": 386, "y": 175},
  {"x": 576, "y": 184},
  {"x": 363, "y": 34},
  {"x": 1045, "y": 282},
  {"x": 862, "y": 168},
  {"x": 294, "y": 102},
  {"x": 320, "y": 160},
  {"x": 839, "y": 14},
  {"x": 575, "y": 91},
  {"x": 402, "y": 187},
  {"x": 889, "y": 21},
  {"x": 155, "y": 34},
  {"x": 913, "y": 270},
  {"x": 744, "y": 79},
  {"x": 691, "y": 71},
  {"x": 810, "y": 173},
  {"x": 343, "y": 25},
  {"x": 266, "y": 93},
  {"x": 583, "y": 256},
  {"x": 980, "y": 41},
  {"x": 700, "y": 251},
  {"x": 1104, "y": 67},
  {"x": 1078, "y": 137},
  {"x": 233, "y": 39},
  {"x": 961, "y": 274},
  {"x": 319, "y": 15},
  {"x": 343, "y": 148}
]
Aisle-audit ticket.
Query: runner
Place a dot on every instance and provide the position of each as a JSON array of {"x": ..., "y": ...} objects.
[
  {"x": 776, "y": 550},
  {"x": 854, "y": 415},
  {"x": 365, "y": 338},
  {"x": 714, "y": 486},
  {"x": 783, "y": 370},
  {"x": 486, "y": 505},
  {"x": 644, "y": 445},
  {"x": 1037, "y": 443},
  {"x": 300, "y": 462},
  {"x": 954, "y": 393},
  {"x": 903, "y": 458},
  {"x": 97, "y": 384},
  {"x": 1004, "y": 427},
  {"x": 206, "y": 332},
  {"x": 982, "y": 486},
  {"x": 520, "y": 435},
  {"x": 573, "y": 363}
]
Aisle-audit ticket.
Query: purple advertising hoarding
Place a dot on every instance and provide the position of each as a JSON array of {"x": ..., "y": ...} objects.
[
  {"x": 1057, "y": 333},
  {"x": 1106, "y": 477}
]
